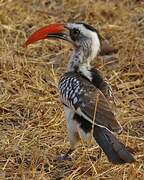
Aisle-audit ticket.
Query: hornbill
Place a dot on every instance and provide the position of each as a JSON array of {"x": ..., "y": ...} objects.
[{"x": 84, "y": 92}]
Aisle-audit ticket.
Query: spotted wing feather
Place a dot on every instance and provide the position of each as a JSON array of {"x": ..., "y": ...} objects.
[{"x": 86, "y": 100}]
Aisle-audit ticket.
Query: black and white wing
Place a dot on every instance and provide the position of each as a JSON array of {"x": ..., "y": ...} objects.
[{"x": 87, "y": 101}]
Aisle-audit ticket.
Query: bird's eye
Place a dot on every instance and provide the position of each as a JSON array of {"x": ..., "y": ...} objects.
[{"x": 74, "y": 33}]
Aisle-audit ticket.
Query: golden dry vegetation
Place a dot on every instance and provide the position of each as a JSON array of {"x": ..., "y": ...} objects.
[{"x": 32, "y": 127}]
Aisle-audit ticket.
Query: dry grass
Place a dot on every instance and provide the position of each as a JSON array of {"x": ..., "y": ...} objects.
[{"x": 32, "y": 127}]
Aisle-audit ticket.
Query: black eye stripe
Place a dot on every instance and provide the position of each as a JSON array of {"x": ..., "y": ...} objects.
[{"x": 91, "y": 28}]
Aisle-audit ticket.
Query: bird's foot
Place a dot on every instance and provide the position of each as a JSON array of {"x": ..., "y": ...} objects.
[
  {"x": 66, "y": 156},
  {"x": 95, "y": 158}
]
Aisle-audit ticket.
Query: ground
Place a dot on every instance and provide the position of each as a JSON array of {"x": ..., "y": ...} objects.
[{"x": 32, "y": 126}]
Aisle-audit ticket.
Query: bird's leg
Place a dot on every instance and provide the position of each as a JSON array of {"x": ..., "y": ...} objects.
[
  {"x": 72, "y": 132},
  {"x": 73, "y": 138}
]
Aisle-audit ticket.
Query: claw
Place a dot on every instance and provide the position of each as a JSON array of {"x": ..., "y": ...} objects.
[{"x": 64, "y": 157}]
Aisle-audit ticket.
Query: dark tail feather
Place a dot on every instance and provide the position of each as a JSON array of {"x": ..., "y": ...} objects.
[{"x": 112, "y": 147}]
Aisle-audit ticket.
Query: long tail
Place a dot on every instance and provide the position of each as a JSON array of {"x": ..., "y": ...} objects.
[{"x": 112, "y": 147}]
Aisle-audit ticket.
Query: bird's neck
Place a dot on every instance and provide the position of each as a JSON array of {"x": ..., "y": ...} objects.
[{"x": 80, "y": 62}]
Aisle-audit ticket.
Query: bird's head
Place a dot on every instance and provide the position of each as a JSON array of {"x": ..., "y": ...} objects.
[{"x": 80, "y": 35}]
